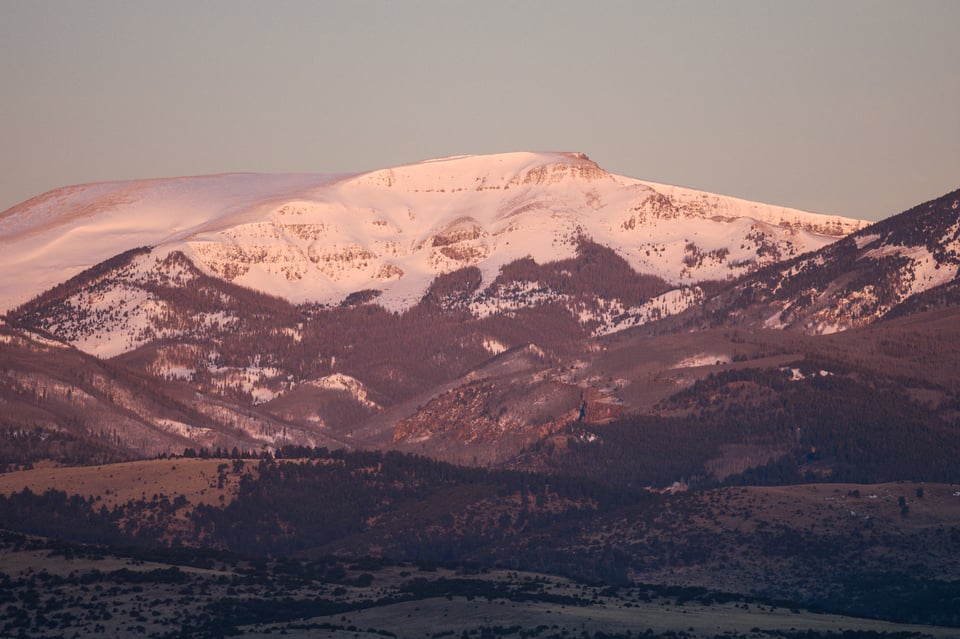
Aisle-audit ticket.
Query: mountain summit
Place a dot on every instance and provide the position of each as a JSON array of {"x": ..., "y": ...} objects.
[{"x": 320, "y": 238}]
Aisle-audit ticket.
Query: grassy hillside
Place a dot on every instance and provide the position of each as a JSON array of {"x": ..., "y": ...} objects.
[{"x": 889, "y": 551}]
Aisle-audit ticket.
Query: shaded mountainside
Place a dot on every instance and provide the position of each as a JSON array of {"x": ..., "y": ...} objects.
[
  {"x": 876, "y": 404},
  {"x": 329, "y": 373},
  {"x": 779, "y": 426},
  {"x": 698, "y": 407},
  {"x": 61, "y": 404},
  {"x": 906, "y": 263}
]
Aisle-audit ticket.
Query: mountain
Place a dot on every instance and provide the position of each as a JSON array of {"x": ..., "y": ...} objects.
[
  {"x": 322, "y": 238},
  {"x": 539, "y": 313},
  {"x": 60, "y": 403},
  {"x": 678, "y": 399},
  {"x": 907, "y": 263}
]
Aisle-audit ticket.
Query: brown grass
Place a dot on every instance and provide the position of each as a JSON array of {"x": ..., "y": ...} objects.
[{"x": 117, "y": 484}]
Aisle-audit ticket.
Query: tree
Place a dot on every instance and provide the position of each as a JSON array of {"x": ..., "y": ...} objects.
[{"x": 904, "y": 509}]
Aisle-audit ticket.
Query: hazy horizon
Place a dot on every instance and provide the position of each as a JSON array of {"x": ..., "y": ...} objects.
[{"x": 841, "y": 108}]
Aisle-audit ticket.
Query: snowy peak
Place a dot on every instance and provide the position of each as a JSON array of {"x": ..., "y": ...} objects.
[
  {"x": 479, "y": 173},
  {"x": 321, "y": 238}
]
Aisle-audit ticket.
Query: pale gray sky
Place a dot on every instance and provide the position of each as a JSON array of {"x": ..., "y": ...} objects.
[{"x": 842, "y": 106}]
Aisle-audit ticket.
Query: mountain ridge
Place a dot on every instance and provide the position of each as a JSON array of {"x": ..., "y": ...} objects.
[
  {"x": 732, "y": 412},
  {"x": 319, "y": 238},
  {"x": 865, "y": 277},
  {"x": 525, "y": 325}
]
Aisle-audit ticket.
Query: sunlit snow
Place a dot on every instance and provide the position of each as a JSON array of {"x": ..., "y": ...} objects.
[{"x": 320, "y": 237}]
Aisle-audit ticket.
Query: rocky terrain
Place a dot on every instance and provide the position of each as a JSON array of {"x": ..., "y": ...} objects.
[
  {"x": 515, "y": 393},
  {"x": 540, "y": 296}
]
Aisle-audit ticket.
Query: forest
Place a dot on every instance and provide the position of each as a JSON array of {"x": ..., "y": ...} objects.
[
  {"x": 825, "y": 427},
  {"x": 394, "y": 507}
]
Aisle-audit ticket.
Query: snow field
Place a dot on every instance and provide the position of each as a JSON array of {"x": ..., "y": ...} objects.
[{"x": 320, "y": 237}]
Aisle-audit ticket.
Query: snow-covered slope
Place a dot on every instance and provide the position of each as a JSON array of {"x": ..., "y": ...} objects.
[
  {"x": 904, "y": 264},
  {"x": 321, "y": 237},
  {"x": 54, "y": 236}
]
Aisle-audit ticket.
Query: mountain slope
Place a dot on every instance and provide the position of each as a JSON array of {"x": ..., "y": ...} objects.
[
  {"x": 505, "y": 331},
  {"x": 907, "y": 263},
  {"x": 59, "y": 403},
  {"x": 320, "y": 238}
]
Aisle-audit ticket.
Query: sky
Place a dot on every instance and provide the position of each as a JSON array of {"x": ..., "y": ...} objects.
[{"x": 847, "y": 107}]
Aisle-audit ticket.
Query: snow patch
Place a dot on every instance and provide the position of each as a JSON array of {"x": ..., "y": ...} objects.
[
  {"x": 864, "y": 240},
  {"x": 796, "y": 375},
  {"x": 928, "y": 272},
  {"x": 251, "y": 379},
  {"x": 830, "y": 329},
  {"x": 703, "y": 359},
  {"x": 775, "y": 321},
  {"x": 171, "y": 371},
  {"x": 263, "y": 395},
  {"x": 182, "y": 429},
  {"x": 672, "y": 302},
  {"x": 493, "y": 347},
  {"x": 347, "y": 384}
]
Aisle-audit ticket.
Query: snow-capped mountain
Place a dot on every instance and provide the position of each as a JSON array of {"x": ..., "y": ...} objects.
[
  {"x": 322, "y": 239},
  {"x": 319, "y": 238},
  {"x": 461, "y": 308},
  {"x": 907, "y": 263}
]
